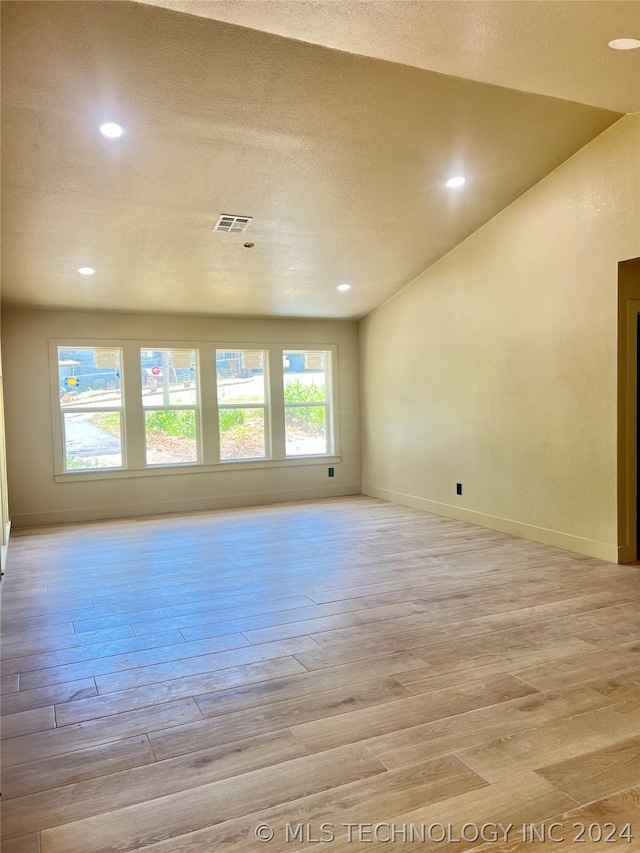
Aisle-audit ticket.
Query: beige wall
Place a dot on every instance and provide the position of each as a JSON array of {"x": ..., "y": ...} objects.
[
  {"x": 497, "y": 367},
  {"x": 36, "y": 499}
]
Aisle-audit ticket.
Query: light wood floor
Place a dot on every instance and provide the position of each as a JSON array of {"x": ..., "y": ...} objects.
[{"x": 171, "y": 683}]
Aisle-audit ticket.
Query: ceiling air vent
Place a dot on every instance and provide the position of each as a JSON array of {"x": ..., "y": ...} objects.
[{"x": 233, "y": 224}]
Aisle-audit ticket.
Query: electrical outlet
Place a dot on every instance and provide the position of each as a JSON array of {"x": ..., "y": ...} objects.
[
  {"x": 331, "y": 472},
  {"x": 458, "y": 488}
]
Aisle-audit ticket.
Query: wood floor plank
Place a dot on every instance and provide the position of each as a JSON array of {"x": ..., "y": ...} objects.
[
  {"x": 177, "y": 814},
  {"x": 203, "y": 613},
  {"x": 486, "y": 665},
  {"x": 449, "y": 651},
  {"x": 9, "y": 684},
  {"x": 370, "y": 616},
  {"x": 549, "y": 676},
  {"x": 246, "y": 676},
  {"x": 613, "y": 615},
  {"x": 530, "y": 799},
  {"x": 437, "y": 644},
  {"x": 610, "y": 636},
  {"x": 303, "y": 684},
  {"x": 15, "y": 590},
  {"x": 405, "y": 713},
  {"x": 239, "y": 724},
  {"x": 25, "y": 844},
  {"x": 284, "y": 617},
  {"x": 25, "y": 646},
  {"x": 25, "y": 722},
  {"x": 533, "y": 800},
  {"x": 402, "y": 747},
  {"x": 79, "y": 607},
  {"x": 410, "y": 630},
  {"x": 595, "y": 775},
  {"x": 152, "y": 673},
  {"x": 357, "y": 802},
  {"x": 557, "y": 741},
  {"x": 32, "y": 628},
  {"x": 619, "y": 687},
  {"x": 109, "y": 664},
  {"x": 40, "y": 697},
  {"x": 19, "y": 750},
  {"x": 619, "y": 810},
  {"x": 149, "y": 781},
  {"x": 71, "y": 767},
  {"x": 322, "y": 596},
  {"x": 64, "y": 657},
  {"x": 181, "y": 615},
  {"x": 502, "y": 640}
]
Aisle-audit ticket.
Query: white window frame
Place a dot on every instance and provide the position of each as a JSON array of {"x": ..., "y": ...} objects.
[
  {"x": 328, "y": 398},
  {"x": 195, "y": 407},
  {"x": 264, "y": 406},
  {"x": 60, "y": 432},
  {"x": 207, "y": 427}
]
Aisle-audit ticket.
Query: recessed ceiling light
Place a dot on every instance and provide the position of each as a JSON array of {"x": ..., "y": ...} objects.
[
  {"x": 343, "y": 287},
  {"x": 111, "y": 130},
  {"x": 624, "y": 44},
  {"x": 86, "y": 270},
  {"x": 458, "y": 181}
]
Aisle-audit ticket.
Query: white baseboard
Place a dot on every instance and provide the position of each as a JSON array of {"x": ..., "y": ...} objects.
[
  {"x": 35, "y": 519},
  {"x": 577, "y": 544}
]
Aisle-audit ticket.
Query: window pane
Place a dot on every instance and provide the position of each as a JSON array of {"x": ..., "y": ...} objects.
[
  {"x": 240, "y": 376},
  {"x": 92, "y": 441},
  {"x": 304, "y": 377},
  {"x": 171, "y": 437},
  {"x": 305, "y": 430},
  {"x": 242, "y": 434},
  {"x": 89, "y": 376},
  {"x": 168, "y": 377}
]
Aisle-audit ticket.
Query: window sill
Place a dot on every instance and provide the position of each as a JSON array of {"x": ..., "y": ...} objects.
[{"x": 195, "y": 468}]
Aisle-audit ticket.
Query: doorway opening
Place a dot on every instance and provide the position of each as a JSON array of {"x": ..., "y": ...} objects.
[
  {"x": 629, "y": 411},
  {"x": 637, "y": 467}
]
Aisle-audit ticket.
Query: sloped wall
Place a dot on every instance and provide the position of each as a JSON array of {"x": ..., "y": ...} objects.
[{"x": 497, "y": 367}]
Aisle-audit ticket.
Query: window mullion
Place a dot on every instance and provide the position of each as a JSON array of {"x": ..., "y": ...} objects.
[
  {"x": 209, "y": 437},
  {"x": 185, "y": 408},
  {"x": 315, "y": 405},
  {"x": 133, "y": 416},
  {"x": 276, "y": 402},
  {"x": 242, "y": 406}
]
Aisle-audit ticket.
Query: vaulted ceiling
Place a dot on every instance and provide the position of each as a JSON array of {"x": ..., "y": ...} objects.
[
  {"x": 334, "y": 125},
  {"x": 551, "y": 48}
]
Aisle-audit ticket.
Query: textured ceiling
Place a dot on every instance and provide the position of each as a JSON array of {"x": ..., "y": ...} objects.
[
  {"x": 341, "y": 160},
  {"x": 543, "y": 46}
]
